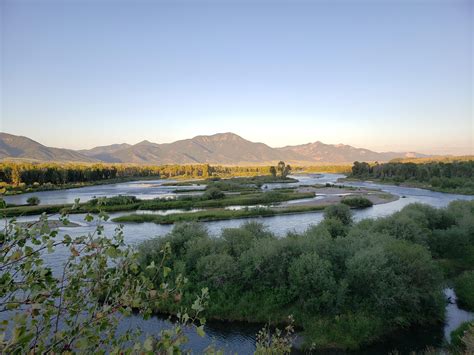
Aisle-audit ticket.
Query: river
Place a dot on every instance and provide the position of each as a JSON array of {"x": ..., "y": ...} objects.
[{"x": 237, "y": 337}]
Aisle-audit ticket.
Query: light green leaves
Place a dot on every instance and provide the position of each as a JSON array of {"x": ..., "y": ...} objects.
[{"x": 78, "y": 307}]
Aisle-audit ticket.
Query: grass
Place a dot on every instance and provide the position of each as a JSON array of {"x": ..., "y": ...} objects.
[
  {"x": 214, "y": 215},
  {"x": 130, "y": 203},
  {"x": 32, "y": 210},
  {"x": 457, "y": 346},
  {"x": 237, "y": 183}
]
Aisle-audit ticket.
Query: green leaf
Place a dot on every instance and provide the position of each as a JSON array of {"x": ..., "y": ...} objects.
[
  {"x": 200, "y": 331},
  {"x": 148, "y": 344}
]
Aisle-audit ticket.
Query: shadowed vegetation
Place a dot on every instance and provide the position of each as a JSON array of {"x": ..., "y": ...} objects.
[
  {"x": 347, "y": 284},
  {"x": 455, "y": 177}
]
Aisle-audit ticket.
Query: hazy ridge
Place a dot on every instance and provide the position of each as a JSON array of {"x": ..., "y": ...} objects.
[{"x": 220, "y": 148}]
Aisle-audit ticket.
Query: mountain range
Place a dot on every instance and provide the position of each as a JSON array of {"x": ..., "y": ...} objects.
[{"x": 221, "y": 148}]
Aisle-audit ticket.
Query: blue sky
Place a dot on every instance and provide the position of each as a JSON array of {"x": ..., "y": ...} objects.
[{"x": 385, "y": 75}]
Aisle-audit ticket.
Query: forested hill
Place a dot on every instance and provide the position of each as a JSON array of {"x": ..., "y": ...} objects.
[{"x": 222, "y": 148}]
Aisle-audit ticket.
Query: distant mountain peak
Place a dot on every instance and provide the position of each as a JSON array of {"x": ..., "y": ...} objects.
[
  {"x": 219, "y": 137},
  {"x": 220, "y": 148}
]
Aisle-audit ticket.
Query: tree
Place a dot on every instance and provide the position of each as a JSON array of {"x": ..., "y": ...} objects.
[
  {"x": 273, "y": 171},
  {"x": 283, "y": 169},
  {"x": 33, "y": 201},
  {"x": 16, "y": 176},
  {"x": 78, "y": 309},
  {"x": 340, "y": 212}
]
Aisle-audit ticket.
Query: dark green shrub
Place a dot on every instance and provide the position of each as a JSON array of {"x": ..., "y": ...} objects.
[
  {"x": 357, "y": 202},
  {"x": 340, "y": 212},
  {"x": 213, "y": 193},
  {"x": 464, "y": 288},
  {"x": 33, "y": 201}
]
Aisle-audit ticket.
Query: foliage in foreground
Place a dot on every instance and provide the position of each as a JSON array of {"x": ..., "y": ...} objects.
[
  {"x": 78, "y": 305},
  {"x": 347, "y": 284}
]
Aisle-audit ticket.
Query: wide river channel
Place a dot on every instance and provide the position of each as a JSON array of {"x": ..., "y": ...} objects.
[{"x": 235, "y": 337}]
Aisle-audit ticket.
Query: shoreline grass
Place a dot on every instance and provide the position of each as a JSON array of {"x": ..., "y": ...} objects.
[
  {"x": 411, "y": 184},
  {"x": 126, "y": 203},
  {"x": 214, "y": 215}
]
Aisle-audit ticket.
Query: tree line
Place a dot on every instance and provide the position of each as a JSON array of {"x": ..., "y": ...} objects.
[
  {"x": 456, "y": 175},
  {"x": 16, "y": 174}
]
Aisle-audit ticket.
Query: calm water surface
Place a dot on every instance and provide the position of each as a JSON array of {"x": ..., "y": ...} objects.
[
  {"x": 240, "y": 337},
  {"x": 145, "y": 190}
]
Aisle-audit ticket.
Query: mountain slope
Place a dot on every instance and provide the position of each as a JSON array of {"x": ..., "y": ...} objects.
[
  {"x": 19, "y": 147},
  {"x": 105, "y": 153},
  {"x": 340, "y": 153},
  {"x": 221, "y": 148}
]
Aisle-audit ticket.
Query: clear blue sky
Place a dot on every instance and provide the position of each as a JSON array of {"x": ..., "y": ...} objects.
[{"x": 385, "y": 75}]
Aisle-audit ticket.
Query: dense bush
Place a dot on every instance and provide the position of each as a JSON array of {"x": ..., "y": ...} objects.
[
  {"x": 346, "y": 283},
  {"x": 357, "y": 202},
  {"x": 33, "y": 201},
  {"x": 340, "y": 212},
  {"x": 464, "y": 287},
  {"x": 213, "y": 193}
]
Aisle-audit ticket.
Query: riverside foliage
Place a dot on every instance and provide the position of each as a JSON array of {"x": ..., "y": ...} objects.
[
  {"x": 78, "y": 308},
  {"x": 347, "y": 284},
  {"x": 457, "y": 177},
  {"x": 20, "y": 176}
]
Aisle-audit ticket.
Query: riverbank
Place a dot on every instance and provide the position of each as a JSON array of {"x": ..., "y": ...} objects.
[
  {"x": 325, "y": 196},
  {"x": 214, "y": 215},
  {"x": 299, "y": 200},
  {"x": 52, "y": 187},
  {"x": 251, "y": 195},
  {"x": 413, "y": 184},
  {"x": 210, "y": 199}
]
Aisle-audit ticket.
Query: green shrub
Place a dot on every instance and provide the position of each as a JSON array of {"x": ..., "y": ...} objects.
[
  {"x": 346, "y": 331},
  {"x": 457, "y": 345},
  {"x": 343, "y": 292},
  {"x": 464, "y": 288},
  {"x": 340, "y": 212},
  {"x": 357, "y": 202},
  {"x": 33, "y": 201},
  {"x": 113, "y": 201},
  {"x": 213, "y": 193}
]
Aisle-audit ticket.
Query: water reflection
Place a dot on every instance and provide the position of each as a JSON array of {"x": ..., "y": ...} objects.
[{"x": 145, "y": 190}]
